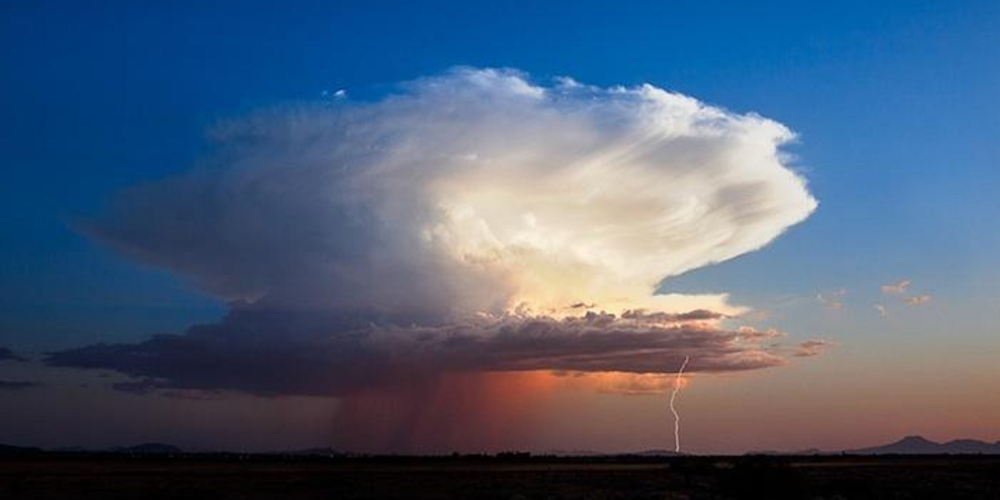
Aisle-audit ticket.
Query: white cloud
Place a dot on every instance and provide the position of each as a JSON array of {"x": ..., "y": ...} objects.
[
  {"x": 472, "y": 191},
  {"x": 882, "y": 310}
]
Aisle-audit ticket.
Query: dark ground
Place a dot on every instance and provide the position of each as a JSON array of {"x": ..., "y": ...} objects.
[{"x": 251, "y": 477}]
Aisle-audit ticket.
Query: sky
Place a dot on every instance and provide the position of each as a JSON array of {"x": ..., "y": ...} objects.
[{"x": 456, "y": 226}]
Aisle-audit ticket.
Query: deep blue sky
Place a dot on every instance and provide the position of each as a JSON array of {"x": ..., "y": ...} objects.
[
  {"x": 897, "y": 106},
  {"x": 895, "y": 102}
]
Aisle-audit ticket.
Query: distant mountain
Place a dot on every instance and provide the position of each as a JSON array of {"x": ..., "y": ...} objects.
[
  {"x": 314, "y": 452},
  {"x": 810, "y": 451},
  {"x": 909, "y": 445},
  {"x": 572, "y": 453},
  {"x": 918, "y": 445},
  {"x": 657, "y": 453},
  {"x": 972, "y": 446},
  {"x": 806, "y": 452},
  {"x": 71, "y": 449},
  {"x": 6, "y": 449},
  {"x": 148, "y": 449}
]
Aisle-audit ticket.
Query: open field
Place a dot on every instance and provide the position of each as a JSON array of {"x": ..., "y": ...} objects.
[{"x": 251, "y": 477}]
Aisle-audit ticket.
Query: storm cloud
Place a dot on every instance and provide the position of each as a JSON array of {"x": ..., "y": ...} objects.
[
  {"x": 472, "y": 221},
  {"x": 17, "y": 385},
  {"x": 273, "y": 354},
  {"x": 7, "y": 354}
]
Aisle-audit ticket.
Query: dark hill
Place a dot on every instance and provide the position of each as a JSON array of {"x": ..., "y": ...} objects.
[
  {"x": 149, "y": 449},
  {"x": 918, "y": 445}
]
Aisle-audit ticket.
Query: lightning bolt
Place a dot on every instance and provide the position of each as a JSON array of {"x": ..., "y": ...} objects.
[{"x": 673, "y": 396}]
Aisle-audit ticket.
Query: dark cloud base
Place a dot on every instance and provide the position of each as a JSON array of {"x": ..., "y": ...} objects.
[
  {"x": 8, "y": 355},
  {"x": 271, "y": 353},
  {"x": 17, "y": 385}
]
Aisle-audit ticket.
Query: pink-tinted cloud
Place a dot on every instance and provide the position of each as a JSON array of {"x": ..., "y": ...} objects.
[
  {"x": 812, "y": 347},
  {"x": 897, "y": 288}
]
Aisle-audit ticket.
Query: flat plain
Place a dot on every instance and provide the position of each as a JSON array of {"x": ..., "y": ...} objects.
[{"x": 254, "y": 476}]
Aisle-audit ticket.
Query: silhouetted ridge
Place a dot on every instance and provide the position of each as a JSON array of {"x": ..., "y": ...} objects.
[
  {"x": 149, "y": 449},
  {"x": 918, "y": 445},
  {"x": 6, "y": 449}
]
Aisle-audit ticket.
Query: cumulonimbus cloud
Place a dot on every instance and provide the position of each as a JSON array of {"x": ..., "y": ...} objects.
[{"x": 472, "y": 221}]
